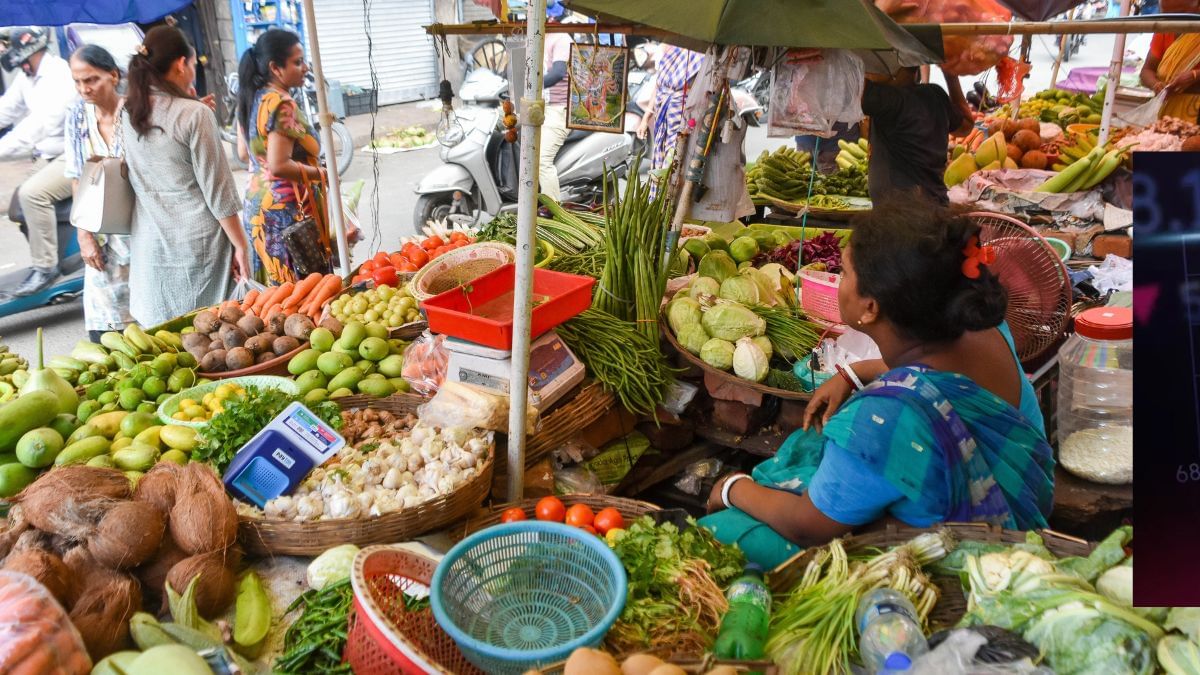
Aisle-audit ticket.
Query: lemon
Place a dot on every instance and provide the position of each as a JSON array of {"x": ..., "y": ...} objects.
[
  {"x": 186, "y": 403},
  {"x": 194, "y": 411},
  {"x": 182, "y": 417}
]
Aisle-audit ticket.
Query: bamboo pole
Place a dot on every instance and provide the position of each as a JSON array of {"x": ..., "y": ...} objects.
[
  {"x": 1062, "y": 51},
  {"x": 1114, "y": 80},
  {"x": 334, "y": 200}
]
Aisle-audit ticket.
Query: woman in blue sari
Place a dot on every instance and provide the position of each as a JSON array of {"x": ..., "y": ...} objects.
[{"x": 945, "y": 428}]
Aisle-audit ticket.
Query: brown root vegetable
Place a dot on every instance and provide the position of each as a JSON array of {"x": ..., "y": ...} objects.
[
  {"x": 102, "y": 612},
  {"x": 153, "y": 574},
  {"x": 215, "y": 336},
  {"x": 206, "y": 322},
  {"x": 265, "y": 357},
  {"x": 216, "y": 585},
  {"x": 238, "y": 358},
  {"x": 284, "y": 345},
  {"x": 203, "y": 518},
  {"x": 199, "y": 352},
  {"x": 1014, "y": 153},
  {"x": 128, "y": 535},
  {"x": 56, "y": 493},
  {"x": 298, "y": 326},
  {"x": 213, "y": 362},
  {"x": 259, "y": 343},
  {"x": 193, "y": 340},
  {"x": 230, "y": 314},
  {"x": 46, "y": 567},
  {"x": 250, "y": 324},
  {"x": 333, "y": 326},
  {"x": 214, "y": 346},
  {"x": 232, "y": 336},
  {"x": 276, "y": 324},
  {"x": 1191, "y": 144}
]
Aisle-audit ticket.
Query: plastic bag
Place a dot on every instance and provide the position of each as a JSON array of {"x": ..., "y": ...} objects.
[
  {"x": 1145, "y": 114},
  {"x": 1010, "y": 73},
  {"x": 577, "y": 480},
  {"x": 467, "y": 405},
  {"x": 574, "y": 451},
  {"x": 679, "y": 395},
  {"x": 1115, "y": 273},
  {"x": 809, "y": 96},
  {"x": 693, "y": 477},
  {"x": 958, "y": 654},
  {"x": 426, "y": 362},
  {"x": 616, "y": 459},
  {"x": 243, "y": 287},
  {"x": 35, "y": 633},
  {"x": 964, "y": 55}
]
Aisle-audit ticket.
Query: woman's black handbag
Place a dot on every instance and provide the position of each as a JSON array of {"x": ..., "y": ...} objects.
[{"x": 302, "y": 241}]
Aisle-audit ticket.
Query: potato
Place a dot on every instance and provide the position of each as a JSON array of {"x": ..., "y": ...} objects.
[
  {"x": 195, "y": 340},
  {"x": 238, "y": 358},
  {"x": 265, "y": 356},
  {"x": 584, "y": 661},
  {"x": 213, "y": 362},
  {"x": 259, "y": 344},
  {"x": 250, "y": 324},
  {"x": 640, "y": 664},
  {"x": 275, "y": 325},
  {"x": 284, "y": 345},
  {"x": 230, "y": 314},
  {"x": 206, "y": 322},
  {"x": 298, "y": 326},
  {"x": 233, "y": 336}
]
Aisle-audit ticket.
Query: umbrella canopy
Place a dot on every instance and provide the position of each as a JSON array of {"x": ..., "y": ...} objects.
[
  {"x": 825, "y": 24},
  {"x": 63, "y": 12},
  {"x": 1039, "y": 10}
]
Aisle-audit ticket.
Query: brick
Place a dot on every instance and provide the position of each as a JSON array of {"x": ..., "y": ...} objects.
[
  {"x": 791, "y": 415},
  {"x": 740, "y": 418},
  {"x": 668, "y": 437},
  {"x": 614, "y": 424},
  {"x": 1115, "y": 244},
  {"x": 721, "y": 389}
]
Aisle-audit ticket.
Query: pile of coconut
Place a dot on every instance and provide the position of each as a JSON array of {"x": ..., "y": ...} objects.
[{"x": 105, "y": 551}]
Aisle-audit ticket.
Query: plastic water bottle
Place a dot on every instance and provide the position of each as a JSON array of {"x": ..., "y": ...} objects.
[
  {"x": 743, "y": 632},
  {"x": 890, "y": 637}
]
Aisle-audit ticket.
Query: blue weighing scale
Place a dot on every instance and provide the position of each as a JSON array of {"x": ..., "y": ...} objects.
[{"x": 278, "y": 458}]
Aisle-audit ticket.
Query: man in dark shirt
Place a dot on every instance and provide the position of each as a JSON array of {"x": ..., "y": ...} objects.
[{"x": 909, "y": 126}]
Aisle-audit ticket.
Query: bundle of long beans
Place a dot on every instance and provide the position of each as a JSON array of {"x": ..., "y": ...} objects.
[
  {"x": 617, "y": 354},
  {"x": 635, "y": 276},
  {"x": 565, "y": 232},
  {"x": 588, "y": 263}
]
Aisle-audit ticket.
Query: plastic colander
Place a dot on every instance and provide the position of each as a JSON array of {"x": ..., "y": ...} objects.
[{"x": 522, "y": 595}]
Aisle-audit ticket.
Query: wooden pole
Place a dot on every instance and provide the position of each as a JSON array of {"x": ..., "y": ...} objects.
[
  {"x": 1114, "y": 80},
  {"x": 1062, "y": 51}
]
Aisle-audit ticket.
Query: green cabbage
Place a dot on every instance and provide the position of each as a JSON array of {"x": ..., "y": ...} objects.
[
  {"x": 331, "y": 566},
  {"x": 1178, "y": 656},
  {"x": 749, "y": 362},
  {"x": 768, "y": 293},
  {"x": 1116, "y": 584},
  {"x": 743, "y": 249},
  {"x": 764, "y": 343},
  {"x": 704, "y": 286},
  {"x": 717, "y": 265},
  {"x": 740, "y": 289},
  {"x": 732, "y": 322},
  {"x": 682, "y": 312},
  {"x": 692, "y": 337},
  {"x": 718, "y": 353}
]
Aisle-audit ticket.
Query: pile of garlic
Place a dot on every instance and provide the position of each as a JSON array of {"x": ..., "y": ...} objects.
[{"x": 400, "y": 473}]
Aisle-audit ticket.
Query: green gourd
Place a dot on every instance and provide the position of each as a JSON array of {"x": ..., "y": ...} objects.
[{"x": 44, "y": 379}]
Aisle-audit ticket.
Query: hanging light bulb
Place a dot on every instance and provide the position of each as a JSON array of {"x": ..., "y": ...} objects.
[{"x": 449, "y": 131}]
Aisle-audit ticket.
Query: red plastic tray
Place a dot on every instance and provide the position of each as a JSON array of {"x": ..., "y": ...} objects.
[{"x": 481, "y": 311}]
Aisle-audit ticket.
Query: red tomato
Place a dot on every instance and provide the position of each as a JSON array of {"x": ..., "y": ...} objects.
[
  {"x": 513, "y": 515},
  {"x": 437, "y": 252},
  {"x": 381, "y": 259},
  {"x": 608, "y": 519},
  {"x": 385, "y": 276},
  {"x": 580, "y": 515},
  {"x": 418, "y": 256},
  {"x": 551, "y": 508},
  {"x": 408, "y": 248},
  {"x": 407, "y": 266},
  {"x": 432, "y": 242},
  {"x": 589, "y": 528},
  {"x": 368, "y": 267},
  {"x": 395, "y": 258},
  {"x": 359, "y": 277},
  {"x": 457, "y": 236}
]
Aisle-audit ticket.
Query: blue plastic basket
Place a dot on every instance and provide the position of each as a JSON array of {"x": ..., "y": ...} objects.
[{"x": 524, "y": 595}]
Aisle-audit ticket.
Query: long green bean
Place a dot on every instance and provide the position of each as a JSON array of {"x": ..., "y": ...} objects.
[{"x": 314, "y": 642}]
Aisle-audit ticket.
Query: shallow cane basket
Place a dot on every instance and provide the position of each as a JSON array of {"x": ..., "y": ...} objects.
[{"x": 460, "y": 266}]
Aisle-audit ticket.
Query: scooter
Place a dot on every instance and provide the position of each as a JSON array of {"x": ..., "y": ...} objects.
[
  {"x": 64, "y": 289},
  {"x": 479, "y": 175}
]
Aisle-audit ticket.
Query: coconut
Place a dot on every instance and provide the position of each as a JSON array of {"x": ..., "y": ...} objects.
[
  {"x": 217, "y": 581},
  {"x": 102, "y": 612},
  {"x": 158, "y": 487},
  {"x": 47, "y": 568},
  {"x": 81, "y": 564},
  {"x": 128, "y": 535},
  {"x": 55, "y": 494},
  {"x": 203, "y": 518},
  {"x": 1014, "y": 153},
  {"x": 1034, "y": 159},
  {"x": 17, "y": 525},
  {"x": 153, "y": 574},
  {"x": 1027, "y": 140}
]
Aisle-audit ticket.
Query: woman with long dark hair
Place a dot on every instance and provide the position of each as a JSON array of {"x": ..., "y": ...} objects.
[
  {"x": 91, "y": 131},
  {"x": 188, "y": 246},
  {"x": 287, "y": 183}
]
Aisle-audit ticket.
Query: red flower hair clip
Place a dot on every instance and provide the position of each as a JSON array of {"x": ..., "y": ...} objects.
[{"x": 976, "y": 255}]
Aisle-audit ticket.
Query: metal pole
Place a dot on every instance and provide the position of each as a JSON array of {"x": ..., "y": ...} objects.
[
  {"x": 1114, "y": 79},
  {"x": 532, "y": 112},
  {"x": 334, "y": 199}
]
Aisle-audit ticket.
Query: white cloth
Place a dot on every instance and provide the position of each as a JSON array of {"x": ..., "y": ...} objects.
[{"x": 36, "y": 108}]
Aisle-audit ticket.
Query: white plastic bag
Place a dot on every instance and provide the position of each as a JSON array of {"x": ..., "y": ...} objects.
[
  {"x": 1145, "y": 114},
  {"x": 808, "y": 96},
  {"x": 243, "y": 287}
]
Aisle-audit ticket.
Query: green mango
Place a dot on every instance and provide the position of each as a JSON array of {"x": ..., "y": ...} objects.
[
  {"x": 308, "y": 381},
  {"x": 347, "y": 379}
]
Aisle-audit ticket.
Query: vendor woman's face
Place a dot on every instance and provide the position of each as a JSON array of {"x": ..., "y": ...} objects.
[{"x": 850, "y": 303}]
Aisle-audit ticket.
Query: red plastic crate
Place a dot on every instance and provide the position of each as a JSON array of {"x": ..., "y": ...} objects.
[{"x": 481, "y": 311}]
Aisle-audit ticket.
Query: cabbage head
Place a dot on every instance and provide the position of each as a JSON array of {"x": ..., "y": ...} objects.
[
  {"x": 717, "y": 265},
  {"x": 749, "y": 362},
  {"x": 333, "y": 565},
  {"x": 682, "y": 312},
  {"x": 768, "y": 293},
  {"x": 740, "y": 289},
  {"x": 731, "y": 322},
  {"x": 743, "y": 248},
  {"x": 718, "y": 353},
  {"x": 764, "y": 343},
  {"x": 692, "y": 337},
  {"x": 704, "y": 286}
]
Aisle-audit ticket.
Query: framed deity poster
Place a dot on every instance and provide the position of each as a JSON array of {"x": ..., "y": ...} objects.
[{"x": 597, "y": 88}]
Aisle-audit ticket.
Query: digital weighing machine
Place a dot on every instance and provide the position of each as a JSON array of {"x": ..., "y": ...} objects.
[
  {"x": 553, "y": 369},
  {"x": 278, "y": 458}
]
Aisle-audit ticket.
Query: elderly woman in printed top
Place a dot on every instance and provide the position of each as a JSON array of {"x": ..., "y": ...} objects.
[
  {"x": 944, "y": 428},
  {"x": 91, "y": 131}
]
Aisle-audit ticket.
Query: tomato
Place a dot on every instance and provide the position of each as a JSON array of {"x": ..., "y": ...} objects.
[
  {"x": 551, "y": 508},
  {"x": 418, "y": 256},
  {"x": 589, "y": 528},
  {"x": 580, "y": 515},
  {"x": 368, "y": 267},
  {"x": 385, "y": 276},
  {"x": 395, "y": 258},
  {"x": 608, "y": 519},
  {"x": 407, "y": 266},
  {"x": 513, "y": 515},
  {"x": 381, "y": 259},
  {"x": 437, "y": 252},
  {"x": 433, "y": 242},
  {"x": 457, "y": 236},
  {"x": 408, "y": 249}
]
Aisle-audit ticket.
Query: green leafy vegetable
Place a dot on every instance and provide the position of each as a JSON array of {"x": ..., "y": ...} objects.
[
  {"x": 1108, "y": 553},
  {"x": 245, "y": 416}
]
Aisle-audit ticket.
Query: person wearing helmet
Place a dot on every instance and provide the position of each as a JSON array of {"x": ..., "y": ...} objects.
[
  {"x": 36, "y": 107},
  {"x": 557, "y": 49}
]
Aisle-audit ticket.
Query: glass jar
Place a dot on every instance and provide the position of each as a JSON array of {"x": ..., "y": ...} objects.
[{"x": 1095, "y": 397}]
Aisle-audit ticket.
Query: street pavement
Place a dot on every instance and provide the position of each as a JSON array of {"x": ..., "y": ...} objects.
[{"x": 385, "y": 211}]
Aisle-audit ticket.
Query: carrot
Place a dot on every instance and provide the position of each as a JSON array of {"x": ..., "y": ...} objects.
[
  {"x": 38, "y": 661},
  {"x": 328, "y": 288},
  {"x": 302, "y": 290},
  {"x": 279, "y": 293},
  {"x": 260, "y": 302},
  {"x": 248, "y": 301},
  {"x": 272, "y": 311}
]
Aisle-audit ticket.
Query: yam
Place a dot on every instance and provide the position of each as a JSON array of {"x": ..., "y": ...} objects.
[
  {"x": 230, "y": 314},
  {"x": 298, "y": 326},
  {"x": 1027, "y": 140},
  {"x": 216, "y": 585},
  {"x": 213, "y": 362},
  {"x": 157, "y": 487},
  {"x": 285, "y": 345},
  {"x": 250, "y": 324},
  {"x": 333, "y": 326},
  {"x": 192, "y": 340},
  {"x": 203, "y": 518},
  {"x": 232, "y": 336},
  {"x": 102, "y": 612},
  {"x": 153, "y": 574},
  {"x": 206, "y": 322},
  {"x": 275, "y": 324},
  {"x": 128, "y": 535},
  {"x": 239, "y": 358},
  {"x": 56, "y": 493},
  {"x": 47, "y": 568}
]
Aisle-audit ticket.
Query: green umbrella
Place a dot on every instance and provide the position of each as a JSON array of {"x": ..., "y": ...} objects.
[{"x": 826, "y": 24}]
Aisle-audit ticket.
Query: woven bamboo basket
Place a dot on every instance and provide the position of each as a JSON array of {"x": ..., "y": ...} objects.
[
  {"x": 952, "y": 602},
  {"x": 460, "y": 266},
  {"x": 285, "y": 537},
  {"x": 631, "y": 510},
  {"x": 728, "y": 377},
  {"x": 400, "y": 404},
  {"x": 408, "y": 331},
  {"x": 558, "y": 427}
]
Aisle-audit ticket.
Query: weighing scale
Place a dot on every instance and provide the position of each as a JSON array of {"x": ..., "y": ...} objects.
[
  {"x": 278, "y": 458},
  {"x": 553, "y": 369}
]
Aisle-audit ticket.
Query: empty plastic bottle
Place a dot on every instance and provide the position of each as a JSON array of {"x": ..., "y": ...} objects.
[{"x": 890, "y": 637}]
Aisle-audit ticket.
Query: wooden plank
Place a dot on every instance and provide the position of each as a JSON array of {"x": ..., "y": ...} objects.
[{"x": 763, "y": 444}]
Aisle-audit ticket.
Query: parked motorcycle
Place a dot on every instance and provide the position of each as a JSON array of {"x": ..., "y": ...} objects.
[
  {"x": 343, "y": 141},
  {"x": 67, "y": 287}
]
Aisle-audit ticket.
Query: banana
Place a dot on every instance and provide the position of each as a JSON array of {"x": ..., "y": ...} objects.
[
  {"x": 1073, "y": 152},
  {"x": 864, "y": 144},
  {"x": 844, "y": 163},
  {"x": 160, "y": 344},
  {"x": 116, "y": 343},
  {"x": 8, "y": 367},
  {"x": 854, "y": 149},
  {"x": 1085, "y": 141},
  {"x": 1058, "y": 166}
]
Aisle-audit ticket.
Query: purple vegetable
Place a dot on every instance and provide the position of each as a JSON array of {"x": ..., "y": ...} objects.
[{"x": 825, "y": 248}]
